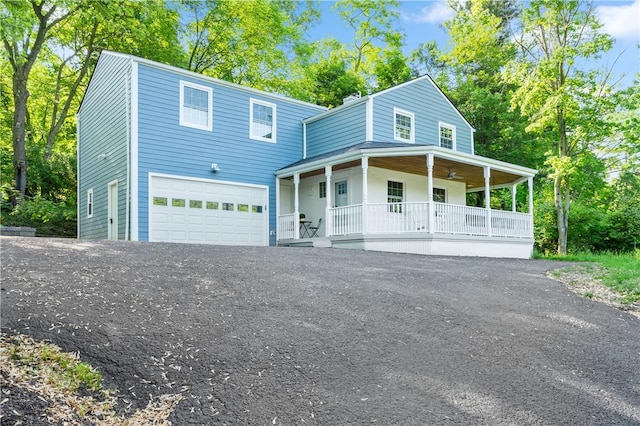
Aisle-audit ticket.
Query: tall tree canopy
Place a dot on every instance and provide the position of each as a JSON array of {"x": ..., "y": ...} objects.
[
  {"x": 563, "y": 102},
  {"x": 50, "y": 46},
  {"x": 246, "y": 42}
]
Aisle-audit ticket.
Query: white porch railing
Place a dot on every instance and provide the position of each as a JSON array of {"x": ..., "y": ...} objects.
[
  {"x": 456, "y": 219},
  {"x": 346, "y": 220},
  {"x": 397, "y": 217},
  {"x": 415, "y": 217},
  {"x": 286, "y": 226},
  {"x": 510, "y": 224}
]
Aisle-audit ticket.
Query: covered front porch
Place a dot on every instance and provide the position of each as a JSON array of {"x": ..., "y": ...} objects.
[{"x": 404, "y": 199}]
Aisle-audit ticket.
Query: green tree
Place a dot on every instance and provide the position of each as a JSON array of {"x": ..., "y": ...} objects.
[
  {"x": 26, "y": 28},
  {"x": 376, "y": 51},
  {"x": 247, "y": 42},
  {"x": 560, "y": 100}
]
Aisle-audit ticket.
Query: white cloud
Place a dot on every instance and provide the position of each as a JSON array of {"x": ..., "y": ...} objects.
[
  {"x": 621, "y": 21},
  {"x": 436, "y": 12}
]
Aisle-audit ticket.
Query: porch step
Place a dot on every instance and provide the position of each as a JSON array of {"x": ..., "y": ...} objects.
[{"x": 322, "y": 242}]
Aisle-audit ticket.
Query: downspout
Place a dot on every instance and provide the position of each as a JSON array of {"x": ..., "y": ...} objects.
[
  {"x": 304, "y": 140},
  {"x": 127, "y": 120}
]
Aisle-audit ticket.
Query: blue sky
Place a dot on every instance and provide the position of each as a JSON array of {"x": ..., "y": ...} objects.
[{"x": 421, "y": 21}]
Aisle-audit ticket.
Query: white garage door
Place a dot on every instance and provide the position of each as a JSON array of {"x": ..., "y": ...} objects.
[{"x": 201, "y": 211}]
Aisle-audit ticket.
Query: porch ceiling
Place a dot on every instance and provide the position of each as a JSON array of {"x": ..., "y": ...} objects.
[{"x": 472, "y": 175}]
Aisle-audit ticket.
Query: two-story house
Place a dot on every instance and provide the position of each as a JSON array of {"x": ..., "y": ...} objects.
[{"x": 165, "y": 154}]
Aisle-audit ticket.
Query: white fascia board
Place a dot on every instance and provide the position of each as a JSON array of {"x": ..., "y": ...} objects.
[
  {"x": 319, "y": 164},
  {"x": 205, "y": 78},
  {"x": 405, "y": 151}
]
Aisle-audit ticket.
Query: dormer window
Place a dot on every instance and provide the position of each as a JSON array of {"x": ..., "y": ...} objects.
[
  {"x": 262, "y": 121},
  {"x": 195, "y": 106},
  {"x": 404, "y": 126},
  {"x": 447, "y": 136}
]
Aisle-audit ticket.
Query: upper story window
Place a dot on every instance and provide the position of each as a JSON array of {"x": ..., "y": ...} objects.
[
  {"x": 263, "y": 121},
  {"x": 404, "y": 125},
  {"x": 447, "y": 136},
  {"x": 196, "y": 106}
]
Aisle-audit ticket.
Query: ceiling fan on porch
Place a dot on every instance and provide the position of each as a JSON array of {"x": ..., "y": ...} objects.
[{"x": 452, "y": 175}]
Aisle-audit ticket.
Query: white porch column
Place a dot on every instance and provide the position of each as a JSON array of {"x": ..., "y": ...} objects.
[
  {"x": 487, "y": 197},
  {"x": 365, "y": 193},
  {"x": 277, "y": 210},
  {"x": 530, "y": 185},
  {"x": 329, "y": 219},
  {"x": 432, "y": 210},
  {"x": 296, "y": 206},
  {"x": 514, "y": 192}
]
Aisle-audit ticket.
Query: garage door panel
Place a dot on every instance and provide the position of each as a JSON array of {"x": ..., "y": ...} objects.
[{"x": 207, "y": 212}]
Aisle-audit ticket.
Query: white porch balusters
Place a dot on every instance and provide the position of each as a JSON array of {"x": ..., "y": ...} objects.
[
  {"x": 432, "y": 207},
  {"x": 487, "y": 196},
  {"x": 365, "y": 193},
  {"x": 296, "y": 206},
  {"x": 329, "y": 218}
]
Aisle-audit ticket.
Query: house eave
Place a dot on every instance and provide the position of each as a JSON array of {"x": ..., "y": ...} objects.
[{"x": 401, "y": 151}]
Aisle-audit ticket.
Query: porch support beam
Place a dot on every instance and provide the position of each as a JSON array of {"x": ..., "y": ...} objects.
[
  {"x": 365, "y": 193},
  {"x": 514, "y": 192},
  {"x": 296, "y": 206},
  {"x": 487, "y": 196},
  {"x": 327, "y": 214},
  {"x": 432, "y": 210},
  {"x": 530, "y": 187}
]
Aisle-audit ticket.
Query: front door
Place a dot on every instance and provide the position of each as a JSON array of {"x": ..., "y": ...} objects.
[
  {"x": 112, "y": 210},
  {"x": 341, "y": 197}
]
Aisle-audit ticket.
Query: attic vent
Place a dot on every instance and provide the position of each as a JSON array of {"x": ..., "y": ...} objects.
[{"x": 351, "y": 98}]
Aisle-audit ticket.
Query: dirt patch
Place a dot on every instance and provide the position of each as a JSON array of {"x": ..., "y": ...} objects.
[{"x": 581, "y": 279}]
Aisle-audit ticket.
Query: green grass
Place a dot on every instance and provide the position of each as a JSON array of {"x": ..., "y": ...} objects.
[{"x": 621, "y": 272}]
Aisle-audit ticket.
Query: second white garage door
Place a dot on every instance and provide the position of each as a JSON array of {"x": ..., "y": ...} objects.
[{"x": 187, "y": 210}]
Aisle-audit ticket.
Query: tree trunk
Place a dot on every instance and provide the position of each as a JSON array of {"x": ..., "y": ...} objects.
[
  {"x": 20, "y": 96},
  {"x": 561, "y": 198},
  {"x": 561, "y": 187}
]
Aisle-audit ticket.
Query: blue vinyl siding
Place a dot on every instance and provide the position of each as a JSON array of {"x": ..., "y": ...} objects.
[
  {"x": 339, "y": 130},
  {"x": 430, "y": 107},
  {"x": 103, "y": 136},
  {"x": 166, "y": 147}
]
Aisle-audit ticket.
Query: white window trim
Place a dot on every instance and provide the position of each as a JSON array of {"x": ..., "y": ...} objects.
[
  {"x": 442, "y": 124},
  {"x": 90, "y": 202},
  {"x": 411, "y": 115},
  {"x": 273, "y": 124},
  {"x": 209, "y": 91}
]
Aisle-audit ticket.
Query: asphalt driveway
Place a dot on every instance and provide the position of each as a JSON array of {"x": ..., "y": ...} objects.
[{"x": 265, "y": 336}]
